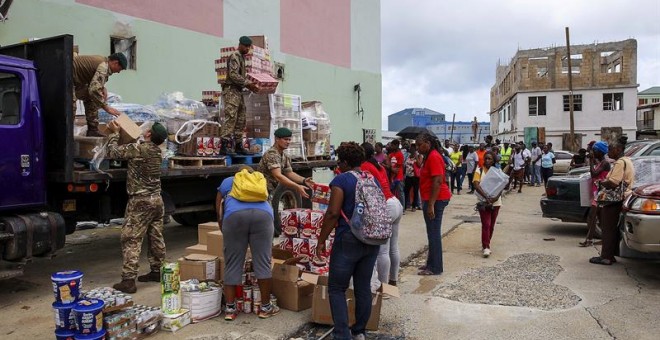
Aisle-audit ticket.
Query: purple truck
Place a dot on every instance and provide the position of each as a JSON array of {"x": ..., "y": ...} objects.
[{"x": 44, "y": 192}]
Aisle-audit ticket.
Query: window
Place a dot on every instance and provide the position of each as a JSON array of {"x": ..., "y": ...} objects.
[
  {"x": 10, "y": 99},
  {"x": 576, "y": 62},
  {"x": 127, "y": 46},
  {"x": 537, "y": 106},
  {"x": 612, "y": 101},
  {"x": 655, "y": 100},
  {"x": 563, "y": 155},
  {"x": 577, "y": 103}
]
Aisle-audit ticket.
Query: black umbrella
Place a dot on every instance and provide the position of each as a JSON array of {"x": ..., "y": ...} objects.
[{"x": 412, "y": 132}]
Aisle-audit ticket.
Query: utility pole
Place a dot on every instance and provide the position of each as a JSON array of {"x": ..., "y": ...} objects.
[
  {"x": 571, "y": 135},
  {"x": 451, "y": 136}
]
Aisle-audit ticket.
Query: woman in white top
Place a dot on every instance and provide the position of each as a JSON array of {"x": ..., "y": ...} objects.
[{"x": 490, "y": 208}]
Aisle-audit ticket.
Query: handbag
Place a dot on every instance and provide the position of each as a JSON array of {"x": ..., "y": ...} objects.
[{"x": 615, "y": 195}]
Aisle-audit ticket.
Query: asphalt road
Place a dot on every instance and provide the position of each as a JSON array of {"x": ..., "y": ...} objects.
[{"x": 536, "y": 284}]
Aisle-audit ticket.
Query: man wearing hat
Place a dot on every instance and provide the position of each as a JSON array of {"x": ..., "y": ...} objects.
[
  {"x": 90, "y": 73},
  {"x": 145, "y": 209},
  {"x": 276, "y": 166},
  {"x": 232, "y": 98}
]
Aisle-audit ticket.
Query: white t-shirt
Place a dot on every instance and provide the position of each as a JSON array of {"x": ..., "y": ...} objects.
[
  {"x": 518, "y": 160},
  {"x": 536, "y": 152}
]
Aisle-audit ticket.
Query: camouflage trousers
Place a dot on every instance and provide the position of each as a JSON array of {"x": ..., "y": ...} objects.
[
  {"x": 144, "y": 215},
  {"x": 234, "y": 109},
  {"x": 91, "y": 108}
]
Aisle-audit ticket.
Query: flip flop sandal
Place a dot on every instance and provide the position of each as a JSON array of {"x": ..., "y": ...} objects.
[
  {"x": 600, "y": 260},
  {"x": 588, "y": 243},
  {"x": 422, "y": 267},
  {"x": 426, "y": 273}
]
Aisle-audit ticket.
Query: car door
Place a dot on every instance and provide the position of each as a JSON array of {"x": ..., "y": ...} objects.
[{"x": 21, "y": 168}]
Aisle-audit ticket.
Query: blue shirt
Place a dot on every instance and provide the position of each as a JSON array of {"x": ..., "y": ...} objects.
[
  {"x": 232, "y": 205},
  {"x": 546, "y": 160},
  {"x": 347, "y": 183}
]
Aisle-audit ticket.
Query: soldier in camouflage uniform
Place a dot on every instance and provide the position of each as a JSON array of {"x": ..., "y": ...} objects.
[
  {"x": 232, "y": 98},
  {"x": 90, "y": 73},
  {"x": 276, "y": 166},
  {"x": 144, "y": 211}
]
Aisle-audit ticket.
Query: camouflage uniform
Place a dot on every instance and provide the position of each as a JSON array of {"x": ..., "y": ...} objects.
[
  {"x": 272, "y": 159},
  {"x": 232, "y": 98},
  {"x": 144, "y": 211},
  {"x": 90, "y": 73}
]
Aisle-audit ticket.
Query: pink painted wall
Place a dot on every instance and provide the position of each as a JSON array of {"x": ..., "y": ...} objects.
[
  {"x": 204, "y": 16},
  {"x": 317, "y": 29}
]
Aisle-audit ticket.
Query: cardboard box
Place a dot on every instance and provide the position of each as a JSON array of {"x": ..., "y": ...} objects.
[
  {"x": 216, "y": 244},
  {"x": 201, "y": 267},
  {"x": 321, "y": 313},
  {"x": 205, "y": 228},
  {"x": 197, "y": 249},
  {"x": 202, "y": 305},
  {"x": 129, "y": 131},
  {"x": 291, "y": 286},
  {"x": 174, "y": 322}
]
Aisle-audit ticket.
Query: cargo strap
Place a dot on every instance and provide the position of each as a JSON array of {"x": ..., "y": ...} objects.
[{"x": 30, "y": 235}]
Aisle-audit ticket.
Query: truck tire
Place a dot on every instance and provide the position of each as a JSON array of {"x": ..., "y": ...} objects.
[{"x": 283, "y": 198}]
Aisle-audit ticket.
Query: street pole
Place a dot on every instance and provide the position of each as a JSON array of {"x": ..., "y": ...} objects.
[
  {"x": 571, "y": 135},
  {"x": 451, "y": 135}
]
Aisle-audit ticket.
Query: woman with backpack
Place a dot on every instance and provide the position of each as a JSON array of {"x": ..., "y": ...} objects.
[
  {"x": 245, "y": 217},
  {"x": 435, "y": 197},
  {"x": 387, "y": 263},
  {"x": 350, "y": 257},
  {"x": 489, "y": 209}
]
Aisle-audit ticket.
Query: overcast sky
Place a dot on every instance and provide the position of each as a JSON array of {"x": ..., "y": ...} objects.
[{"x": 442, "y": 54}]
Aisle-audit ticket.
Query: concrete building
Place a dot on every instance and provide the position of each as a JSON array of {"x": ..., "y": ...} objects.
[
  {"x": 529, "y": 100},
  {"x": 649, "y": 96},
  {"x": 413, "y": 117},
  {"x": 461, "y": 132},
  {"x": 324, "y": 48}
]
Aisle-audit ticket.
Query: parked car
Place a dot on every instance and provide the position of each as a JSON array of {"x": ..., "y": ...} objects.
[
  {"x": 641, "y": 215},
  {"x": 562, "y": 198},
  {"x": 633, "y": 149},
  {"x": 563, "y": 161}
]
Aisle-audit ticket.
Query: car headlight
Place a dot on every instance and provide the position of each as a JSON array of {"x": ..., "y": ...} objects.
[{"x": 645, "y": 205}]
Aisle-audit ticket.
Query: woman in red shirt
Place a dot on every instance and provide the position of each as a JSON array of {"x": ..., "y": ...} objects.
[
  {"x": 387, "y": 263},
  {"x": 435, "y": 197}
]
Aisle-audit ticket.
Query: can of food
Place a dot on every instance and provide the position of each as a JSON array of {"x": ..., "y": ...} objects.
[
  {"x": 247, "y": 307},
  {"x": 120, "y": 299},
  {"x": 243, "y": 279},
  {"x": 247, "y": 293},
  {"x": 256, "y": 294},
  {"x": 257, "y": 306},
  {"x": 239, "y": 305},
  {"x": 239, "y": 291}
]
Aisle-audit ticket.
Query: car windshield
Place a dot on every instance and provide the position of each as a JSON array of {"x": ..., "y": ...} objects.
[{"x": 633, "y": 148}]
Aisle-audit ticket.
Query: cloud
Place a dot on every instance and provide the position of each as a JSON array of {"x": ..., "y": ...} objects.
[{"x": 442, "y": 54}]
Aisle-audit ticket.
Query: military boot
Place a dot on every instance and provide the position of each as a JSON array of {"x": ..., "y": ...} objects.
[
  {"x": 152, "y": 276},
  {"x": 238, "y": 147},
  {"x": 94, "y": 132},
  {"x": 126, "y": 286},
  {"x": 227, "y": 147}
]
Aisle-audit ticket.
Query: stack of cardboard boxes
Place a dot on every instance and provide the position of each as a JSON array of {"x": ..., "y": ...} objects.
[
  {"x": 316, "y": 129},
  {"x": 258, "y": 65},
  {"x": 205, "y": 260},
  {"x": 285, "y": 111},
  {"x": 300, "y": 231}
]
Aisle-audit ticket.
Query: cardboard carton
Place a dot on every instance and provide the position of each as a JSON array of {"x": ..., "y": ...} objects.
[
  {"x": 196, "y": 249},
  {"x": 174, "y": 322},
  {"x": 321, "y": 313},
  {"x": 129, "y": 131},
  {"x": 205, "y": 228},
  {"x": 215, "y": 244},
  {"x": 291, "y": 286},
  {"x": 201, "y": 267},
  {"x": 202, "y": 305}
]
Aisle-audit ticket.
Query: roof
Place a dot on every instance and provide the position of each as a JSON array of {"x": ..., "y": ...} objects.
[
  {"x": 411, "y": 110},
  {"x": 650, "y": 91}
]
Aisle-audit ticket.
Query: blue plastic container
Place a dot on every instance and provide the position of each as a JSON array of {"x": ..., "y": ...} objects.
[
  {"x": 64, "y": 317},
  {"x": 96, "y": 336},
  {"x": 64, "y": 334},
  {"x": 89, "y": 316},
  {"x": 67, "y": 286}
]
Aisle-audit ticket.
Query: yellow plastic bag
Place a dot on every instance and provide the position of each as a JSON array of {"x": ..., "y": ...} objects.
[{"x": 249, "y": 187}]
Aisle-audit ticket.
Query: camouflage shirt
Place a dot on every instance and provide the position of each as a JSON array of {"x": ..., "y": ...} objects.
[
  {"x": 272, "y": 159},
  {"x": 91, "y": 72},
  {"x": 144, "y": 160},
  {"x": 236, "y": 70}
]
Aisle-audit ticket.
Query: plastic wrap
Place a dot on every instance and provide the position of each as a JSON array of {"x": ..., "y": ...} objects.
[
  {"x": 175, "y": 105},
  {"x": 492, "y": 183},
  {"x": 136, "y": 112}
]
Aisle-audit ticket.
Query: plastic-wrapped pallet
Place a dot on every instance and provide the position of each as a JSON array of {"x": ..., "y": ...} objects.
[
  {"x": 492, "y": 183},
  {"x": 316, "y": 129},
  {"x": 285, "y": 111}
]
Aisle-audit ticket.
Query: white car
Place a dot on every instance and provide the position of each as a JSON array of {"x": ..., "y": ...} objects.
[{"x": 563, "y": 161}]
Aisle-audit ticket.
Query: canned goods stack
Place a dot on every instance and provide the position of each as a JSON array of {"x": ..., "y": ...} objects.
[
  {"x": 301, "y": 229},
  {"x": 111, "y": 297}
]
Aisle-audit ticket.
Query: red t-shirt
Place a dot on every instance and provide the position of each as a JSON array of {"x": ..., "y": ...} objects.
[
  {"x": 396, "y": 158},
  {"x": 481, "y": 155},
  {"x": 380, "y": 176},
  {"x": 433, "y": 166}
]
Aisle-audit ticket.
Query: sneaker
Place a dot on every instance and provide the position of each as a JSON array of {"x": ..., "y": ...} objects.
[
  {"x": 360, "y": 336},
  {"x": 230, "y": 313},
  {"x": 265, "y": 313},
  {"x": 486, "y": 252}
]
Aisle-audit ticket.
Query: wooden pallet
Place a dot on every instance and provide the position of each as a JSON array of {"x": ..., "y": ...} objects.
[
  {"x": 179, "y": 162},
  {"x": 318, "y": 158},
  {"x": 243, "y": 159}
]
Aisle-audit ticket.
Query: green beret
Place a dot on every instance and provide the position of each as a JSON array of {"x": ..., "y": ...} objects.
[
  {"x": 159, "y": 130},
  {"x": 283, "y": 133},
  {"x": 121, "y": 58},
  {"x": 246, "y": 41}
]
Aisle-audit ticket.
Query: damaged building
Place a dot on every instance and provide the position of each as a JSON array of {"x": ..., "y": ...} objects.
[{"x": 530, "y": 98}]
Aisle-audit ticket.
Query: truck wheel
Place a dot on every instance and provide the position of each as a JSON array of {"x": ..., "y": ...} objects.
[{"x": 283, "y": 198}]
